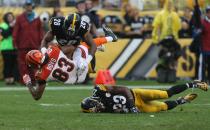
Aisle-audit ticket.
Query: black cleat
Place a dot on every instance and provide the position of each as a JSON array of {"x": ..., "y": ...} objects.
[
  {"x": 199, "y": 84},
  {"x": 108, "y": 32},
  {"x": 188, "y": 98}
]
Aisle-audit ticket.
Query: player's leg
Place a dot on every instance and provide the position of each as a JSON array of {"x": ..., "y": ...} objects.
[
  {"x": 154, "y": 106},
  {"x": 180, "y": 88},
  {"x": 110, "y": 37},
  {"x": 99, "y": 41},
  {"x": 79, "y": 57},
  {"x": 151, "y": 94},
  {"x": 143, "y": 99},
  {"x": 157, "y": 106},
  {"x": 181, "y": 100}
]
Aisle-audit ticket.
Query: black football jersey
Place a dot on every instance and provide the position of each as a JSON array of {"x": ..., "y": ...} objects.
[
  {"x": 56, "y": 25},
  {"x": 112, "y": 103}
]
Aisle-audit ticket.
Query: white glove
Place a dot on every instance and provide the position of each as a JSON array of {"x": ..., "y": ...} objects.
[
  {"x": 43, "y": 50},
  {"x": 82, "y": 65},
  {"x": 26, "y": 79},
  {"x": 89, "y": 58}
]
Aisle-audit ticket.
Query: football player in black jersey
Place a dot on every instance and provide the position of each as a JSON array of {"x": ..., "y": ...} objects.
[
  {"x": 69, "y": 32},
  {"x": 118, "y": 99}
]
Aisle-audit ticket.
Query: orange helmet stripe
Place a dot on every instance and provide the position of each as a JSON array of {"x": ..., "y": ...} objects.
[{"x": 34, "y": 57}]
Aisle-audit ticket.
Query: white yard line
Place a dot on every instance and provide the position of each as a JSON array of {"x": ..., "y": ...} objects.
[{"x": 53, "y": 88}]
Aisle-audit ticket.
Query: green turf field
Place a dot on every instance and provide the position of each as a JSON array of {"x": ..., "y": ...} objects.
[{"x": 60, "y": 110}]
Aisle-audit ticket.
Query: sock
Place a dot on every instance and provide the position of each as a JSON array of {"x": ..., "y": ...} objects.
[
  {"x": 109, "y": 39},
  {"x": 180, "y": 101},
  {"x": 171, "y": 104},
  {"x": 191, "y": 85},
  {"x": 176, "y": 89}
]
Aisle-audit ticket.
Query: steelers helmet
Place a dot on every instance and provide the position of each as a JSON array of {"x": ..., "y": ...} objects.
[
  {"x": 91, "y": 105},
  {"x": 72, "y": 24},
  {"x": 34, "y": 58}
]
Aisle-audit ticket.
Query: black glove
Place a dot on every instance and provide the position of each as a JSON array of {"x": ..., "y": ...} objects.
[{"x": 134, "y": 110}]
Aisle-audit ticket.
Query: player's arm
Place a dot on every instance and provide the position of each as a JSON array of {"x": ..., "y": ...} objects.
[
  {"x": 89, "y": 40},
  {"x": 47, "y": 38},
  {"x": 36, "y": 91},
  {"x": 68, "y": 49},
  {"x": 125, "y": 92}
]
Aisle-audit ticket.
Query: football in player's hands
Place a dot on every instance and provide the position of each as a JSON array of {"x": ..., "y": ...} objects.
[{"x": 26, "y": 79}]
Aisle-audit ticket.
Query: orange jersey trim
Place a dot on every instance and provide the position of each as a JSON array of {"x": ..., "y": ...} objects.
[{"x": 53, "y": 52}]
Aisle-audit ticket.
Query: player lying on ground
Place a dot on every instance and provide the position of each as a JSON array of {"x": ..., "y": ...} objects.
[
  {"x": 117, "y": 99},
  {"x": 54, "y": 65}
]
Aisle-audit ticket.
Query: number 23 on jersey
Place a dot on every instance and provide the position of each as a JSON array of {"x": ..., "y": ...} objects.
[{"x": 60, "y": 73}]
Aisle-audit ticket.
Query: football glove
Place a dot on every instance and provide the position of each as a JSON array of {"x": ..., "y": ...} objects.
[
  {"x": 81, "y": 67},
  {"x": 27, "y": 79},
  {"x": 134, "y": 110},
  {"x": 89, "y": 58}
]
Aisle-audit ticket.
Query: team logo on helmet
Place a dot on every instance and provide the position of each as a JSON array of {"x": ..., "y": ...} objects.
[
  {"x": 34, "y": 58},
  {"x": 72, "y": 22}
]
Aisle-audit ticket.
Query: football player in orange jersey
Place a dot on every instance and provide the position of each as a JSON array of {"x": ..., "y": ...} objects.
[
  {"x": 53, "y": 64},
  {"x": 119, "y": 99}
]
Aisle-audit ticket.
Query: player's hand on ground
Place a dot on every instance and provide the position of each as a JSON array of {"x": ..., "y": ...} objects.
[
  {"x": 26, "y": 79},
  {"x": 134, "y": 110}
]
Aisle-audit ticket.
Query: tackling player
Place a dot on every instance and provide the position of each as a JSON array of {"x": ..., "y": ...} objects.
[
  {"x": 117, "y": 99},
  {"x": 55, "y": 65},
  {"x": 69, "y": 32}
]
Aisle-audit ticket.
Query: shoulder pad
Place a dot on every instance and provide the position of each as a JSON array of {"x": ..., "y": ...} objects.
[{"x": 99, "y": 90}]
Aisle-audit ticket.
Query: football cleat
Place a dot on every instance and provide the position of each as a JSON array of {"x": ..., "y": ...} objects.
[
  {"x": 108, "y": 32},
  {"x": 201, "y": 85},
  {"x": 188, "y": 98}
]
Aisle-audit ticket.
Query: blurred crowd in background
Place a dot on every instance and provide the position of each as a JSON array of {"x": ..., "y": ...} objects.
[{"x": 174, "y": 20}]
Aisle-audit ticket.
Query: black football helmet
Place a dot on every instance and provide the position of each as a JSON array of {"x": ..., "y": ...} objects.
[
  {"x": 72, "y": 24},
  {"x": 92, "y": 105}
]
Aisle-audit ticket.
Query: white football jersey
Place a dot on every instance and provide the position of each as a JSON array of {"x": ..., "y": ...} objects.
[{"x": 61, "y": 68}]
